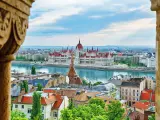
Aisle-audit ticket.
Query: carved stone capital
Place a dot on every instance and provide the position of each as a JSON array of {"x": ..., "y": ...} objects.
[
  {"x": 155, "y": 5},
  {"x": 13, "y": 24}
]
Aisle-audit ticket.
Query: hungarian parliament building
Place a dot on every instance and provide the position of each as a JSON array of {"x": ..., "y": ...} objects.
[{"x": 81, "y": 56}]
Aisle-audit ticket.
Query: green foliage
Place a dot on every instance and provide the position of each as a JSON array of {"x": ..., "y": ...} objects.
[
  {"x": 115, "y": 111},
  {"x": 97, "y": 83},
  {"x": 99, "y": 118},
  {"x": 21, "y": 86},
  {"x": 127, "y": 118},
  {"x": 36, "y": 113},
  {"x": 24, "y": 85},
  {"x": 33, "y": 70},
  {"x": 84, "y": 82},
  {"x": 97, "y": 101},
  {"x": 17, "y": 115},
  {"x": 128, "y": 61},
  {"x": 152, "y": 117},
  {"x": 39, "y": 87},
  {"x": 83, "y": 112},
  {"x": 20, "y": 58},
  {"x": 71, "y": 104},
  {"x": 94, "y": 111}
]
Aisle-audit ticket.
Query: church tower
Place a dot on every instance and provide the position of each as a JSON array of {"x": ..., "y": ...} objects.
[
  {"x": 73, "y": 78},
  {"x": 72, "y": 71}
]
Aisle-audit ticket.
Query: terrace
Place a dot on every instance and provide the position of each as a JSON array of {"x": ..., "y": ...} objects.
[{"x": 13, "y": 26}]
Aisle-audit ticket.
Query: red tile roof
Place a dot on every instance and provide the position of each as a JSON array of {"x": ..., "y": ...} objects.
[
  {"x": 148, "y": 95},
  {"x": 52, "y": 98},
  {"x": 49, "y": 91},
  {"x": 58, "y": 102},
  {"x": 142, "y": 105},
  {"x": 63, "y": 92}
]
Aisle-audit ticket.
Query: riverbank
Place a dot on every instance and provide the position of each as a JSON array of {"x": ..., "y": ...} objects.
[{"x": 87, "y": 66}]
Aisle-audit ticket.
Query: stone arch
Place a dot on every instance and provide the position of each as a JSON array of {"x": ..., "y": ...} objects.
[{"x": 13, "y": 25}]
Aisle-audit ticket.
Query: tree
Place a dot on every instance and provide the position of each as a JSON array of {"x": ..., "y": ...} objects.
[
  {"x": 97, "y": 83},
  {"x": 97, "y": 101},
  {"x": 127, "y": 118},
  {"x": 39, "y": 87},
  {"x": 84, "y": 112},
  {"x": 152, "y": 117},
  {"x": 18, "y": 115},
  {"x": 36, "y": 113},
  {"x": 24, "y": 85},
  {"x": 84, "y": 82},
  {"x": 115, "y": 111},
  {"x": 33, "y": 70},
  {"x": 71, "y": 104},
  {"x": 21, "y": 86},
  {"x": 99, "y": 118},
  {"x": 94, "y": 111},
  {"x": 66, "y": 114}
]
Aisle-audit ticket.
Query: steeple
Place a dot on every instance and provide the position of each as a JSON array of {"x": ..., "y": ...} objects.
[
  {"x": 72, "y": 71},
  {"x": 79, "y": 41},
  {"x": 72, "y": 60}
]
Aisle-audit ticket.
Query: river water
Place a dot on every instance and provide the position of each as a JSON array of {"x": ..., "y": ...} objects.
[{"x": 88, "y": 74}]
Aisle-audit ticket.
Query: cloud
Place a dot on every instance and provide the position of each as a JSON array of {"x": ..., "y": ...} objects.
[
  {"x": 53, "y": 16},
  {"x": 50, "y": 11},
  {"x": 50, "y": 15},
  {"x": 121, "y": 33},
  {"x": 96, "y": 17}
]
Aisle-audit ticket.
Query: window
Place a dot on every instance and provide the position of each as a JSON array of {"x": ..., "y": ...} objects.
[
  {"x": 42, "y": 108},
  {"x": 29, "y": 110},
  {"x": 22, "y": 106},
  {"x": 55, "y": 114},
  {"x": 16, "y": 106}
]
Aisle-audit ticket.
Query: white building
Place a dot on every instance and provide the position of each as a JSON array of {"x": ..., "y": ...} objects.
[
  {"x": 86, "y": 57},
  {"x": 51, "y": 103},
  {"x": 149, "y": 62},
  {"x": 130, "y": 90}
]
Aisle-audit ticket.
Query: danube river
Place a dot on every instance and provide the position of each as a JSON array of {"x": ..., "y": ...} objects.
[{"x": 88, "y": 74}]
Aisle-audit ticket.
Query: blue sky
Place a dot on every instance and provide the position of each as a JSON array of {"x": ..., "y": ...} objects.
[{"x": 98, "y": 23}]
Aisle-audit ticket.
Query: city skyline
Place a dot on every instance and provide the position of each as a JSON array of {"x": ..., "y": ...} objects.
[{"x": 104, "y": 22}]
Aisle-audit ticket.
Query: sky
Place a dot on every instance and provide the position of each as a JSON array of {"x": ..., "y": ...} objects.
[{"x": 98, "y": 23}]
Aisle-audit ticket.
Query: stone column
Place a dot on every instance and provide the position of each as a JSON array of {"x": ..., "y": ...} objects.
[
  {"x": 13, "y": 25},
  {"x": 155, "y": 6}
]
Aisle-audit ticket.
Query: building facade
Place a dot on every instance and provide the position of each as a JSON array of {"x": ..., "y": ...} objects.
[
  {"x": 149, "y": 62},
  {"x": 82, "y": 57},
  {"x": 131, "y": 89},
  {"x": 51, "y": 103}
]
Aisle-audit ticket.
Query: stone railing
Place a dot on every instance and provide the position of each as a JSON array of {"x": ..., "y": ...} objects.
[{"x": 13, "y": 26}]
